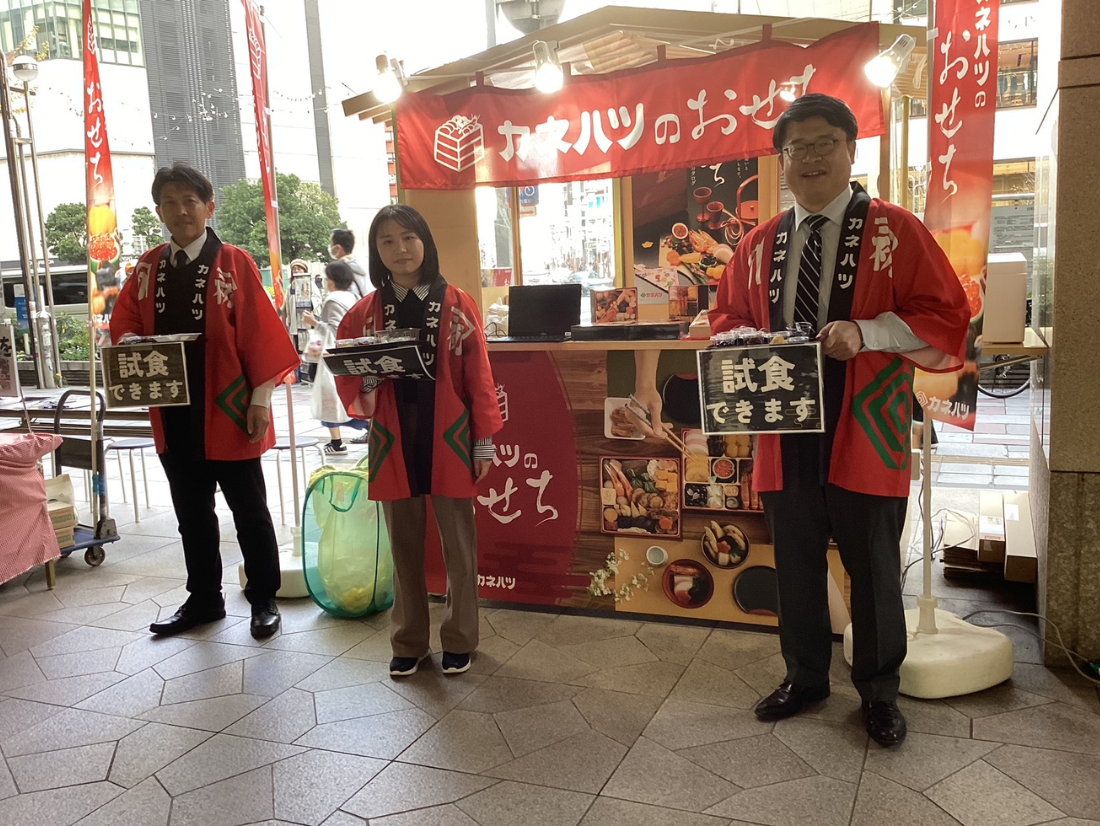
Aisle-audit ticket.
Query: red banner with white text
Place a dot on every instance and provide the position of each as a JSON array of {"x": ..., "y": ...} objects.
[
  {"x": 959, "y": 205},
  {"x": 104, "y": 241},
  {"x": 257, "y": 61},
  {"x": 668, "y": 115}
]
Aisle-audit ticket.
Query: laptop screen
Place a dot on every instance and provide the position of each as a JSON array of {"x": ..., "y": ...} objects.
[{"x": 543, "y": 309}]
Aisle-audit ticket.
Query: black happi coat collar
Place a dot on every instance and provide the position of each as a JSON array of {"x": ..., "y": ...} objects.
[
  {"x": 807, "y": 458},
  {"x": 433, "y": 315}
]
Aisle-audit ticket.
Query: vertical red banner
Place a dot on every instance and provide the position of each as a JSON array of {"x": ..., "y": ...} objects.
[
  {"x": 959, "y": 206},
  {"x": 257, "y": 59},
  {"x": 104, "y": 241}
]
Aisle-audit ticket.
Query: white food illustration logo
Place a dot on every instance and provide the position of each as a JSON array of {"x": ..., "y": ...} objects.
[{"x": 459, "y": 143}]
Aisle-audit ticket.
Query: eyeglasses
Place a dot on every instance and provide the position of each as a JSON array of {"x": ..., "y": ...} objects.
[{"x": 821, "y": 147}]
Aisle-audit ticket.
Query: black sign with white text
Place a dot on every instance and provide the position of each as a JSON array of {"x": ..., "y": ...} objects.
[
  {"x": 145, "y": 375},
  {"x": 761, "y": 389},
  {"x": 401, "y": 360}
]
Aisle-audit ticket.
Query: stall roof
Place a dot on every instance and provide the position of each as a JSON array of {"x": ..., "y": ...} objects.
[{"x": 617, "y": 37}]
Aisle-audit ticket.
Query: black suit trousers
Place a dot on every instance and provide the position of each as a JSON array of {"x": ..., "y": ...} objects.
[
  {"x": 867, "y": 530},
  {"x": 193, "y": 482}
]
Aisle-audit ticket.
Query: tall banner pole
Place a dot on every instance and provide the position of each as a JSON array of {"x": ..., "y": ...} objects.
[
  {"x": 104, "y": 249},
  {"x": 959, "y": 206},
  {"x": 257, "y": 54}
]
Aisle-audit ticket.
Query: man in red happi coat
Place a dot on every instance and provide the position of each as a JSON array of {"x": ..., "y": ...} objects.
[
  {"x": 873, "y": 284},
  {"x": 197, "y": 284}
]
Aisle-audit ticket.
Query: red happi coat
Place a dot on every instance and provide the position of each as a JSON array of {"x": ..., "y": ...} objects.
[
  {"x": 246, "y": 346},
  {"x": 466, "y": 408},
  {"x": 871, "y": 451}
]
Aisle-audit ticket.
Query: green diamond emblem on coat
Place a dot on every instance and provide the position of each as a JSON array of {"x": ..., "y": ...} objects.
[
  {"x": 884, "y": 410},
  {"x": 458, "y": 437},
  {"x": 379, "y": 444},
  {"x": 233, "y": 401}
]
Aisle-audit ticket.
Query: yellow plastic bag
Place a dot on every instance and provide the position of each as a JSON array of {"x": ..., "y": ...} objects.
[{"x": 346, "y": 554}]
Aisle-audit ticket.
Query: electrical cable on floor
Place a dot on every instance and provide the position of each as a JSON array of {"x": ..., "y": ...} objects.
[{"x": 1073, "y": 656}]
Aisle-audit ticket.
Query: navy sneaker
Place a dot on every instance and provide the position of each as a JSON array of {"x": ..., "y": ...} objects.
[
  {"x": 455, "y": 663},
  {"x": 405, "y": 666}
]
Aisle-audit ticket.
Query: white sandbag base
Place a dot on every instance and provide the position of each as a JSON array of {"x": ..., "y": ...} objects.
[
  {"x": 290, "y": 570},
  {"x": 960, "y": 658}
]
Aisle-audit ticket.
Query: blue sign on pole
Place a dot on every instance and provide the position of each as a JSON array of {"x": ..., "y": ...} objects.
[
  {"x": 22, "y": 318},
  {"x": 528, "y": 196}
]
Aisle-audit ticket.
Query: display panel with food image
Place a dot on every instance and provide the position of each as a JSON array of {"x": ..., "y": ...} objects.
[
  {"x": 698, "y": 255},
  {"x": 640, "y": 496},
  {"x": 685, "y": 303},
  {"x": 718, "y": 473},
  {"x": 691, "y": 221},
  {"x": 620, "y": 423},
  {"x": 615, "y": 306},
  {"x": 725, "y": 546},
  {"x": 688, "y": 583}
]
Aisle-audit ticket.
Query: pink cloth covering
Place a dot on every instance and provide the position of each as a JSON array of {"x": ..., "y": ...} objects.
[{"x": 27, "y": 538}]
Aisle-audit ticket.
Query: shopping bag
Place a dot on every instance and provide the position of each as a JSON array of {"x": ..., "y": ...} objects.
[
  {"x": 346, "y": 552},
  {"x": 315, "y": 346}
]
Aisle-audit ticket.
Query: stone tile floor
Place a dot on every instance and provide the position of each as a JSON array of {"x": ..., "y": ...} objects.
[{"x": 564, "y": 719}]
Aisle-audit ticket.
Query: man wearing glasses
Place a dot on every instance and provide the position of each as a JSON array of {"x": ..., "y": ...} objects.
[{"x": 883, "y": 299}]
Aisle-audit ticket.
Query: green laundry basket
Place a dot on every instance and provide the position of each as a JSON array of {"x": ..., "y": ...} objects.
[{"x": 345, "y": 546}]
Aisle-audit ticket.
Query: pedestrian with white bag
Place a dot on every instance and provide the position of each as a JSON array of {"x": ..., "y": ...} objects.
[{"x": 325, "y": 403}]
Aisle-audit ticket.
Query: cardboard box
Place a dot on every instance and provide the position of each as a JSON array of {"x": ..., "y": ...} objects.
[
  {"x": 1005, "y": 306},
  {"x": 1021, "y": 559},
  {"x": 991, "y": 527},
  {"x": 62, "y": 515},
  {"x": 66, "y": 538}
]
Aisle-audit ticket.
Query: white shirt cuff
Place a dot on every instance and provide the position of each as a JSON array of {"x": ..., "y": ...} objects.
[
  {"x": 261, "y": 396},
  {"x": 889, "y": 334},
  {"x": 484, "y": 449}
]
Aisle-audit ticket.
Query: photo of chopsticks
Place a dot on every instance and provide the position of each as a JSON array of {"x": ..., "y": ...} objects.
[{"x": 639, "y": 410}]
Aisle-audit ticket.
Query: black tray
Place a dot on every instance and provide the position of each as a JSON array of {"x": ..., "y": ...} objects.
[{"x": 637, "y": 331}]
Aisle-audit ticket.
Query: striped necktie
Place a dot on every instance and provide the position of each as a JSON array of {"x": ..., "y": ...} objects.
[{"x": 808, "y": 294}]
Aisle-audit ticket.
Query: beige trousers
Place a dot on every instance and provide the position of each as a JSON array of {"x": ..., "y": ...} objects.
[{"x": 407, "y": 523}]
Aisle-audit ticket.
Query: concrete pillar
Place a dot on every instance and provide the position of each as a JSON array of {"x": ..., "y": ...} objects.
[{"x": 1066, "y": 441}]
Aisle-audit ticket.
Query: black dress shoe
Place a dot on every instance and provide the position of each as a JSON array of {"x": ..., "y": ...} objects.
[
  {"x": 265, "y": 619},
  {"x": 788, "y": 700},
  {"x": 186, "y": 618},
  {"x": 885, "y": 722}
]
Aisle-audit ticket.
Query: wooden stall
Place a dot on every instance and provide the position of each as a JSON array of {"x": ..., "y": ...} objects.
[{"x": 573, "y": 513}]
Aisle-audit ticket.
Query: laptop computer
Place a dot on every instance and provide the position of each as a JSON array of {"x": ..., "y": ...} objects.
[{"x": 543, "y": 312}]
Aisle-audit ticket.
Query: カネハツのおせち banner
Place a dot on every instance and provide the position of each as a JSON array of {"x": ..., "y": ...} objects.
[
  {"x": 667, "y": 115},
  {"x": 104, "y": 240},
  {"x": 960, "y": 184}
]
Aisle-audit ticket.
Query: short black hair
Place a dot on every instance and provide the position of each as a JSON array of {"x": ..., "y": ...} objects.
[
  {"x": 412, "y": 220},
  {"x": 339, "y": 274},
  {"x": 345, "y": 238},
  {"x": 186, "y": 175},
  {"x": 835, "y": 112}
]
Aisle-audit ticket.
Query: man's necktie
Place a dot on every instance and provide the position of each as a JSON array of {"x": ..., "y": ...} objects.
[
  {"x": 808, "y": 294},
  {"x": 181, "y": 258}
]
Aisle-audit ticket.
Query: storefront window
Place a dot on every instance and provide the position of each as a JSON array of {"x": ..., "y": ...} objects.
[
  {"x": 918, "y": 188},
  {"x": 567, "y": 235},
  {"x": 1014, "y": 180},
  {"x": 494, "y": 235},
  {"x": 1017, "y": 69}
]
